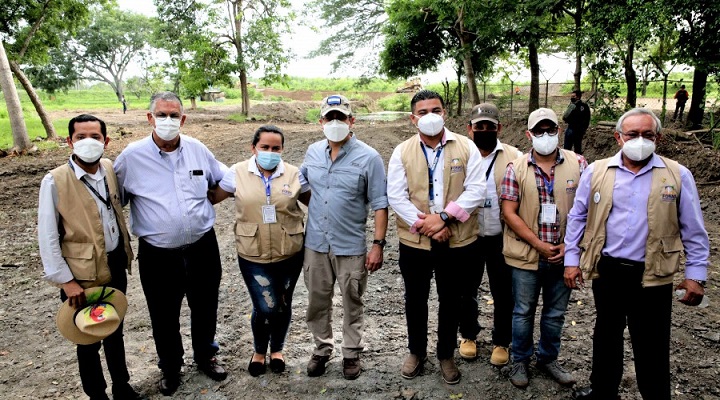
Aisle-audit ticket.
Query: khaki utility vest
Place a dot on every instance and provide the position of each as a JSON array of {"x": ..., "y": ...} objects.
[
  {"x": 255, "y": 240},
  {"x": 82, "y": 239},
  {"x": 504, "y": 157},
  {"x": 664, "y": 246},
  {"x": 518, "y": 253},
  {"x": 457, "y": 153}
]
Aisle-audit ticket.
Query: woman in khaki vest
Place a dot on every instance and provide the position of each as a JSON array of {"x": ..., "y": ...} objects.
[{"x": 269, "y": 236}]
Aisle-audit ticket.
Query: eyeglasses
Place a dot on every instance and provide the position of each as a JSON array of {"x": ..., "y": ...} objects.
[
  {"x": 538, "y": 132},
  {"x": 162, "y": 115},
  {"x": 649, "y": 135},
  {"x": 485, "y": 126},
  {"x": 335, "y": 116}
]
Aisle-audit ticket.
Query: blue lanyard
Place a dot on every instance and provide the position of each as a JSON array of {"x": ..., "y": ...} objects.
[
  {"x": 549, "y": 185},
  {"x": 431, "y": 170},
  {"x": 267, "y": 186}
]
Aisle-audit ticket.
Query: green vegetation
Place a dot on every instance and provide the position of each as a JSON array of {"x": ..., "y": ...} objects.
[
  {"x": 342, "y": 85},
  {"x": 312, "y": 115},
  {"x": 35, "y": 130},
  {"x": 395, "y": 102}
]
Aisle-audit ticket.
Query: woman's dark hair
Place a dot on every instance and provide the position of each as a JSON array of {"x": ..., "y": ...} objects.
[{"x": 268, "y": 128}]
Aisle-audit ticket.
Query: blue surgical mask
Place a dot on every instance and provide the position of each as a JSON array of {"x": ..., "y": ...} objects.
[{"x": 267, "y": 160}]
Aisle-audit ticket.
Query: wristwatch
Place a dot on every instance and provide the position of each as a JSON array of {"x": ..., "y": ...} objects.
[
  {"x": 701, "y": 283},
  {"x": 444, "y": 217},
  {"x": 380, "y": 242}
]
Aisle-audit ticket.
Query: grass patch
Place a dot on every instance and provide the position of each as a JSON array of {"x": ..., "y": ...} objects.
[
  {"x": 237, "y": 117},
  {"x": 35, "y": 130},
  {"x": 312, "y": 115}
]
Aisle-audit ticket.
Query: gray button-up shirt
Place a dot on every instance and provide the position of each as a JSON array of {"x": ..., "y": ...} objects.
[{"x": 343, "y": 191}]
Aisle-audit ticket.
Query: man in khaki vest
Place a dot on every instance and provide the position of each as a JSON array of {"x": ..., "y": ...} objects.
[
  {"x": 84, "y": 243},
  {"x": 537, "y": 192},
  {"x": 633, "y": 215},
  {"x": 434, "y": 185},
  {"x": 484, "y": 128}
]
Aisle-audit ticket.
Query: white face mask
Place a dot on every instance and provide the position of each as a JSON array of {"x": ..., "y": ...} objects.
[
  {"x": 545, "y": 144},
  {"x": 638, "y": 149},
  {"x": 336, "y": 131},
  {"x": 431, "y": 124},
  {"x": 167, "y": 128},
  {"x": 89, "y": 150}
]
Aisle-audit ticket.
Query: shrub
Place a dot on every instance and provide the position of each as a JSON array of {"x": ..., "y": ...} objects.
[{"x": 395, "y": 102}]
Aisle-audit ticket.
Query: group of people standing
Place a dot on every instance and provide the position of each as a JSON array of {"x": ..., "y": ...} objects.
[{"x": 456, "y": 197}]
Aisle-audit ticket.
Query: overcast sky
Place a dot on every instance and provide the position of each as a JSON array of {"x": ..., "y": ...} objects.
[{"x": 303, "y": 40}]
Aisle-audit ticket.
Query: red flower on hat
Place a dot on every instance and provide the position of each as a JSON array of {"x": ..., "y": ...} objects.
[{"x": 97, "y": 313}]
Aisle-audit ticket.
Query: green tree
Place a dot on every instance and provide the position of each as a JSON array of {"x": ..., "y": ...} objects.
[
  {"x": 59, "y": 74},
  {"x": 30, "y": 29},
  {"x": 113, "y": 40},
  {"x": 21, "y": 140}
]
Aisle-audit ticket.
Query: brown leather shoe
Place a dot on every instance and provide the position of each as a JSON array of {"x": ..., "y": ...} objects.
[
  {"x": 212, "y": 369},
  {"x": 412, "y": 366},
  {"x": 169, "y": 384},
  {"x": 351, "y": 368},
  {"x": 316, "y": 365},
  {"x": 450, "y": 371}
]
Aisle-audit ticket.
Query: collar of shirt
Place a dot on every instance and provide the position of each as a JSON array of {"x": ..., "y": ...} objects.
[
  {"x": 346, "y": 146},
  {"x": 447, "y": 135},
  {"x": 252, "y": 167},
  {"x": 79, "y": 172},
  {"x": 559, "y": 160},
  {"x": 159, "y": 151},
  {"x": 617, "y": 161}
]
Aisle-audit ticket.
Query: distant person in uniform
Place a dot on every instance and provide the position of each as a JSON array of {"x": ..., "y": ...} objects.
[
  {"x": 682, "y": 97},
  {"x": 124, "y": 104},
  {"x": 577, "y": 116}
]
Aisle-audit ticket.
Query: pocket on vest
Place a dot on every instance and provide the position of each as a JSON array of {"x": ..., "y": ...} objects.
[
  {"x": 246, "y": 239},
  {"x": 293, "y": 239},
  {"x": 407, "y": 236},
  {"x": 668, "y": 259},
  {"x": 516, "y": 248},
  {"x": 80, "y": 258}
]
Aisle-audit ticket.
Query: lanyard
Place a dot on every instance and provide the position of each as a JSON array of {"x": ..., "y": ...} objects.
[
  {"x": 487, "y": 173},
  {"x": 549, "y": 185},
  {"x": 92, "y": 189},
  {"x": 431, "y": 170},
  {"x": 267, "y": 186}
]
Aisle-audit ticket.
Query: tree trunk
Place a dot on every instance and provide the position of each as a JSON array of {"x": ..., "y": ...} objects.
[
  {"x": 630, "y": 77},
  {"x": 39, "y": 108},
  {"x": 697, "y": 102},
  {"x": 578, "y": 56},
  {"x": 459, "y": 92},
  {"x": 664, "y": 97},
  {"x": 21, "y": 140},
  {"x": 193, "y": 103},
  {"x": 534, "y": 101},
  {"x": 245, "y": 94}
]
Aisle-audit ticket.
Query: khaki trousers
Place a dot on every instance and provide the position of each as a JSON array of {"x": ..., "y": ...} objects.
[{"x": 321, "y": 271}]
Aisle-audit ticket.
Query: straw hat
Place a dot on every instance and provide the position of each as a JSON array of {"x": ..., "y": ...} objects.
[{"x": 97, "y": 319}]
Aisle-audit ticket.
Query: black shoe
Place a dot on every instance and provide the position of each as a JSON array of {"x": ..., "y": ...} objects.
[
  {"x": 587, "y": 393},
  {"x": 101, "y": 396},
  {"x": 256, "y": 368},
  {"x": 169, "y": 384},
  {"x": 277, "y": 365},
  {"x": 212, "y": 369},
  {"x": 126, "y": 392},
  {"x": 316, "y": 365}
]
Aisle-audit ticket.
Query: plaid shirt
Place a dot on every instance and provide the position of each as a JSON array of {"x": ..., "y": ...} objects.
[{"x": 510, "y": 190}]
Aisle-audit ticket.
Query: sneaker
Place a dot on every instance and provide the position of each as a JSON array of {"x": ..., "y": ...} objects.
[
  {"x": 351, "y": 368},
  {"x": 450, "y": 371},
  {"x": 316, "y": 365},
  {"x": 519, "y": 375},
  {"x": 412, "y": 366},
  {"x": 557, "y": 372},
  {"x": 500, "y": 356},
  {"x": 468, "y": 349}
]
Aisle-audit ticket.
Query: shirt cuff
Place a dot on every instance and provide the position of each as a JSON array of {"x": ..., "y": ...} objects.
[
  {"x": 456, "y": 211},
  {"x": 698, "y": 273},
  {"x": 572, "y": 260}
]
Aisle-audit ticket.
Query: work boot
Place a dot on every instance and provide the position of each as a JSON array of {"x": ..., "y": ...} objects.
[
  {"x": 316, "y": 365},
  {"x": 412, "y": 366},
  {"x": 468, "y": 349},
  {"x": 557, "y": 372},
  {"x": 519, "y": 375},
  {"x": 450, "y": 371},
  {"x": 500, "y": 356},
  {"x": 351, "y": 368}
]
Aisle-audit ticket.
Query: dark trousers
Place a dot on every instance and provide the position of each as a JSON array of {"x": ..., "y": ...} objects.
[
  {"x": 167, "y": 276},
  {"x": 620, "y": 300},
  {"x": 271, "y": 288},
  {"x": 678, "y": 107},
  {"x": 487, "y": 253},
  {"x": 417, "y": 267},
  {"x": 88, "y": 355},
  {"x": 573, "y": 140}
]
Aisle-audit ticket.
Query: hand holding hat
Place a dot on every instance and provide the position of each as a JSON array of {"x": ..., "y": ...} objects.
[{"x": 97, "y": 319}]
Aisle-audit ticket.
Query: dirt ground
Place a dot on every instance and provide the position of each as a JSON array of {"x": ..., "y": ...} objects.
[{"x": 37, "y": 363}]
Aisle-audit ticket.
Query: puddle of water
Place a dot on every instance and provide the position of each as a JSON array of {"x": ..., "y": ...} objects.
[{"x": 383, "y": 116}]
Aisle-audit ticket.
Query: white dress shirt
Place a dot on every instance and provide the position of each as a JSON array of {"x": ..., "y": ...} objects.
[{"x": 489, "y": 215}]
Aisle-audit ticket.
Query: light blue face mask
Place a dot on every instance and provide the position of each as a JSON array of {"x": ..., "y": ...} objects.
[{"x": 267, "y": 160}]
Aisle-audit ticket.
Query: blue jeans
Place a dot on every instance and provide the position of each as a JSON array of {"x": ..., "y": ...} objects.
[
  {"x": 271, "y": 288},
  {"x": 526, "y": 291}
]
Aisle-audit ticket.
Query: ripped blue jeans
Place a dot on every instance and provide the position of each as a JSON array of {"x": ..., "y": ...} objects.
[{"x": 271, "y": 288}]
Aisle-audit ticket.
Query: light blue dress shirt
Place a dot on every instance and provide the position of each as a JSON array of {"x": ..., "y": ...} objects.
[
  {"x": 167, "y": 192},
  {"x": 343, "y": 191}
]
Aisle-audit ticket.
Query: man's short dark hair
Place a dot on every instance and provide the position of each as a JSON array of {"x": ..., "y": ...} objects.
[
  {"x": 577, "y": 93},
  {"x": 268, "y": 128},
  {"x": 425, "y": 95},
  {"x": 682, "y": 86},
  {"x": 86, "y": 118}
]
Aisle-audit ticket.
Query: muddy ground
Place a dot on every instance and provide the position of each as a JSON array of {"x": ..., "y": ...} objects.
[{"x": 37, "y": 363}]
